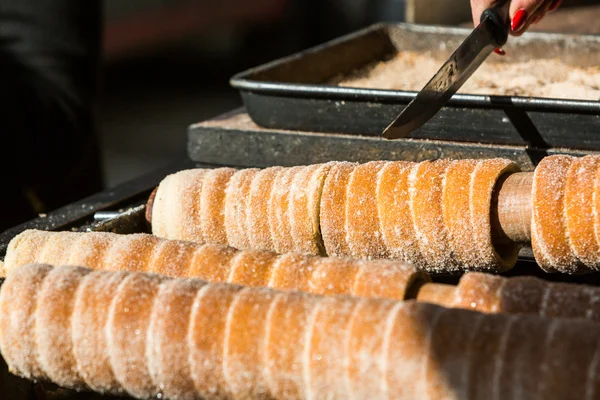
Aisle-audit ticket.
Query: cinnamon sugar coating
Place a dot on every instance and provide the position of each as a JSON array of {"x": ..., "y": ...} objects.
[
  {"x": 434, "y": 214},
  {"x": 228, "y": 342},
  {"x": 565, "y": 223},
  {"x": 215, "y": 263}
]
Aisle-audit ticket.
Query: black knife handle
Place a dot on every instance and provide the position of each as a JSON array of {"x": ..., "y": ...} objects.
[{"x": 500, "y": 18}]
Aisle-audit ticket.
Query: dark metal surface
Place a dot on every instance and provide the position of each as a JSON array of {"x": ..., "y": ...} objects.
[
  {"x": 293, "y": 93},
  {"x": 491, "y": 33},
  {"x": 80, "y": 215},
  {"x": 235, "y": 139}
]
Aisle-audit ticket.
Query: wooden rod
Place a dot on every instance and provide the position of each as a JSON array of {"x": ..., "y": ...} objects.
[{"x": 512, "y": 208}]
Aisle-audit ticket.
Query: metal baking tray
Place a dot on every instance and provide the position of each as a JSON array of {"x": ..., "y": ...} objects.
[{"x": 293, "y": 93}]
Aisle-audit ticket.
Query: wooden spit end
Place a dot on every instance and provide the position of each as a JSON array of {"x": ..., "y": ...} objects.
[
  {"x": 150, "y": 204},
  {"x": 512, "y": 208}
]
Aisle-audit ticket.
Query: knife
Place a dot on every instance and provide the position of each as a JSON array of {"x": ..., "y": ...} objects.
[{"x": 491, "y": 33}]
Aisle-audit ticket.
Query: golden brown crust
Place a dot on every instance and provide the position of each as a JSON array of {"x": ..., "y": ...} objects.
[
  {"x": 456, "y": 207},
  {"x": 333, "y": 209},
  {"x": 169, "y": 257},
  {"x": 333, "y": 275},
  {"x": 176, "y": 207},
  {"x": 393, "y": 205},
  {"x": 243, "y": 359},
  {"x": 90, "y": 314},
  {"x": 213, "y": 263},
  {"x": 526, "y": 295},
  {"x": 131, "y": 255},
  {"x": 292, "y": 271},
  {"x": 580, "y": 211},
  {"x": 256, "y": 343},
  {"x": 548, "y": 229},
  {"x": 364, "y": 237},
  {"x": 366, "y": 374},
  {"x": 252, "y": 268},
  {"x": 212, "y": 205},
  {"x": 236, "y": 208},
  {"x": 53, "y": 316},
  {"x": 25, "y": 248},
  {"x": 425, "y": 183},
  {"x": 408, "y": 332},
  {"x": 479, "y": 292},
  {"x": 389, "y": 280},
  {"x": 484, "y": 179},
  {"x": 286, "y": 340},
  {"x": 445, "y": 369},
  {"x": 304, "y": 209},
  {"x": 326, "y": 344},
  {"x": 259, "y": 231},
  {"x": 207, "y": 346},
  {"x": 127, "y": 330},
  {"x": 167, "y": 343},
  {"x": 279, "y": 204},
  {"x": 18, "y": 299}
]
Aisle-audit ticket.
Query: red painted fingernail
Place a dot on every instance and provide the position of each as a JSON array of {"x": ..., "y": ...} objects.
[
  {"x": 500, "y": 52},
  {"x": 555, "y": 5},
  {"x": 519, "y": 20}
]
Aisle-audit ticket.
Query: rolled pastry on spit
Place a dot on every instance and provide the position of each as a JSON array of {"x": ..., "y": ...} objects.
[
  {"x": 304, "y": 209},
  {"x": 257, "y": 343},
  {"x": 516, "y": 295},
  {"x": 565, "y": 224},
  {"x": 179, "y": 216},
  {"x": 216, "y": 263},
  {"x": 435, "y": 214}
]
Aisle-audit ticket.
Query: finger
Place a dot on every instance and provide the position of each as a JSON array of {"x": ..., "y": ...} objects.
[
  {"x": 535, "y": 18},
  {"x": 521, "y": 12}
]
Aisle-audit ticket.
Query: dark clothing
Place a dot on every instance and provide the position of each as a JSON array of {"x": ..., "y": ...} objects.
[{"x": 49, "y": 60}]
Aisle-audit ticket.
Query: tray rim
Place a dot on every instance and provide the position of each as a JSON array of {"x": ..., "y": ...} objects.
[{"x": 243, "y": 81}]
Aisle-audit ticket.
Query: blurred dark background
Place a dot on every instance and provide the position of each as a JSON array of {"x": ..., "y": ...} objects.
[{"x": 167, "y": 63}]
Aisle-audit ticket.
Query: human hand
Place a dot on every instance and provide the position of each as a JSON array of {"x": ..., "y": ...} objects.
[{"x": 522, "y": 12}]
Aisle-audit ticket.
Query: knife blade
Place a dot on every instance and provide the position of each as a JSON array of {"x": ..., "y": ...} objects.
[{"x": 491, "y": 33}]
